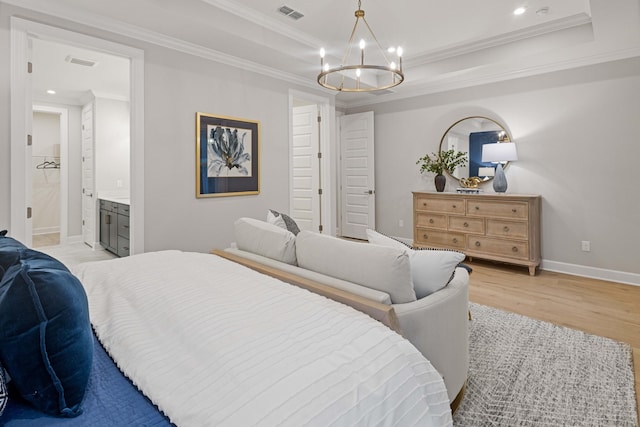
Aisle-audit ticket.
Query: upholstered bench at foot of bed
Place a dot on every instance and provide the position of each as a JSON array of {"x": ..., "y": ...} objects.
[{"x": 436, "y": 324}]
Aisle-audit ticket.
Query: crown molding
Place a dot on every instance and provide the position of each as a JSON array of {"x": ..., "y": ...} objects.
[
  {"x": 266, "y": 21},
  {"x": 427, "y": 57},
  {"x": 460, "y": 81},
  {"x": 114, "y": 26}
]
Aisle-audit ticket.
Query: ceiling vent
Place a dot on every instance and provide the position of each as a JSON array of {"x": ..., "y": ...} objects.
[
  {"x": 79, "y": 61},
  {"x": 294, "y": 14}
]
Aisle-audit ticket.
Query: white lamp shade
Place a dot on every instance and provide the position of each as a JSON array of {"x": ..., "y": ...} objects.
[{"x": 499, "y": 152}]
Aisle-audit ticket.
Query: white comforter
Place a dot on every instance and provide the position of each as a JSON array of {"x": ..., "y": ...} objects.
[{"x": 213, "y": 343}]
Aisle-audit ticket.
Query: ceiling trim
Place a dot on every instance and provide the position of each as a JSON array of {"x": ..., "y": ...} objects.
[
  {"x": 266, "y": 21},
  {"x": 137, "y": 33},
  {"x": 453, "y": 83},
  {"x": 463, "y": 48}
]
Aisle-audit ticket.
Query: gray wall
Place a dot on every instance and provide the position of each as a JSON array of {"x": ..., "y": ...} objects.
[
  {"x": 176, "y": 87},
  {"x": 578, "y": 146}
]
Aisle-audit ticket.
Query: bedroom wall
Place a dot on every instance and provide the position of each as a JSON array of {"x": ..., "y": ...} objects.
[
  {"x": 576, "y": 133},
  {"x": 177, "y": 86}
]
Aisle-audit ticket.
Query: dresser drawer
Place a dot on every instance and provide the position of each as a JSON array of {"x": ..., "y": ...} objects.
[
  {"x": 512, "y": 229},
  {"x": 506, "y": 248},
  {"x": 429, "y": 220},
  {"x": 466, "y": 224},
  {"x": 425, "y": 237},
  {"x": 434, "y": 204},
  {"x": 518, "y": 210}
]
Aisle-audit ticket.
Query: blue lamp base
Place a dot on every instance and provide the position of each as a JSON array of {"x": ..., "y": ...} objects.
[{"x": 499, "y": 180}]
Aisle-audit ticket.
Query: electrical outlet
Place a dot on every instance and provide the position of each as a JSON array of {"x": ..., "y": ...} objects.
[
  {"x": 586, "y": 246},
  {"x": 400, "y": 223}
]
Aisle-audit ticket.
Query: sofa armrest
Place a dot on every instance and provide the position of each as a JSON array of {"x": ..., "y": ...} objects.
[{"x": 438, "y": 326}]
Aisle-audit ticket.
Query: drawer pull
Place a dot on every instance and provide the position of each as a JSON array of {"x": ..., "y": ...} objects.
[
  {"x": 506, "y": 229},
  {"x": 424, "y": 236},
  {"x": 125, "y": 226},
  {"x": 466, "y": 224},
  {"x": 514, "y": 249},
  {"x": 514, "y": 210},
  {"x": 424, "y": 203},
  {"x": 455, "y": 240},
  {"x": 431, "y": 221},
  {"x": 477, "y": 244},
  {"x": 477, "y": 208},
  {"x": 126, "y": 248},
  {"x": 454, "y": 206}
]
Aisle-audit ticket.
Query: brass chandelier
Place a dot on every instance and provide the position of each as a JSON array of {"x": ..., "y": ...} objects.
[{"x": 354, "y": 74}]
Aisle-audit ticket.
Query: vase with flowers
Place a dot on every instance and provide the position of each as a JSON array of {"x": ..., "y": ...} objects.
[{"x": 442, "y": 161}]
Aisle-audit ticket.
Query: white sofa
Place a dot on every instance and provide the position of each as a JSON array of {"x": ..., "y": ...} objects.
[{"x": 436, "y": 324}]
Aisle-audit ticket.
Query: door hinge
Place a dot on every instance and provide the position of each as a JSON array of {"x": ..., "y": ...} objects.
[
  {"x": 319, "y": 119},
  {"x": 29, "y": 67},
  {"x": 320, "y": 191},
  {"x": 320, "y": 228},
  {"x": 28, "y": 212},
  {"x": 83, "y": 222},
  {"x": 319, "y": 155},
  {"x": 29, "y": 140}
]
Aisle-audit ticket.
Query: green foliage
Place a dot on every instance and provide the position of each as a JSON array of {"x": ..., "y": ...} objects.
[{"x": 444, "y": 160}]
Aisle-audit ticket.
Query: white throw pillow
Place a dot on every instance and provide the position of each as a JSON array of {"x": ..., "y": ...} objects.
[
  {"x": 376, "y": 267},
  {"x": 265, "y": 239},
  {"x": 431, "y": 269}
]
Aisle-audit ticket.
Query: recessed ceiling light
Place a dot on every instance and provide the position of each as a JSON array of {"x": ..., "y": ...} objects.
[
  {"x": 51, "y": 92},
  {"x": 519, "y": 11}
]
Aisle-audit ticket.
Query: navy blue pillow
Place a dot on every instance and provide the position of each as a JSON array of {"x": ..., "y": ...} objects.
[
  {"x": 9, "y": 252},
  {"x": 46, "y": 342}
]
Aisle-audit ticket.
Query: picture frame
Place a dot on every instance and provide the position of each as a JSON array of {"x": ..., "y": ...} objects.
[{"x": 227, "y": 156}]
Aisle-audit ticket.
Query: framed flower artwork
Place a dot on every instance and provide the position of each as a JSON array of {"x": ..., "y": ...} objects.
[{"x": 227, "y": 156}]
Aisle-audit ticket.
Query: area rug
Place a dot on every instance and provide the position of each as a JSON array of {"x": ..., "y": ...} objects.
[{"x": 525, "y": 372}]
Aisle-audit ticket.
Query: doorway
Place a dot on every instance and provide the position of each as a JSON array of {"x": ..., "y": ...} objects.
[
  {"x": 49, "y": 161},
  {"x": 23, "y": 35}
]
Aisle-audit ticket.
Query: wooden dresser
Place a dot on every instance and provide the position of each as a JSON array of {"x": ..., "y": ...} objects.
[{"x": 499, "y": 227}]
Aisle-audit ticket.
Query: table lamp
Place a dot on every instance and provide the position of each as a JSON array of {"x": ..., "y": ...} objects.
[{"x": 500, "y": 153}]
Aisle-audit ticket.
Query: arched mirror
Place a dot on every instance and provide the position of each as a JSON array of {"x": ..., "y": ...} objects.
[{"x": 469, "y": 135}]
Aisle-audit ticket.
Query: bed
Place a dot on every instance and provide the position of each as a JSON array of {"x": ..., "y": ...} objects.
[{"x": 207, "y": 341}]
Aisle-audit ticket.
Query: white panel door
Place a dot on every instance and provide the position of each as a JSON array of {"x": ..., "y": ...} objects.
[
  {"x": 304, "y": 203},
  {"x": 88, "y": 177},
  {"x": 357, "y": 175}
]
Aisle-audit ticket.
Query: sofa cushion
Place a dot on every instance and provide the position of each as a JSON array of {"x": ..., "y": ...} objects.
[
  {"x": 265, "y": 239},
  {"x": 431, "y": 269},
  {"x": 377, "y": 267},
  {"x": 46, "y": 342}
]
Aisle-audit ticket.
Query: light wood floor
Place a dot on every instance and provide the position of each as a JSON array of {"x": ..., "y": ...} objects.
[{"x": 598, "y": 307}]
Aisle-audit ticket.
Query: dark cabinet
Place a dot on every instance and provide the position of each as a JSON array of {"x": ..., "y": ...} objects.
[{"x": 114, "y": 227}]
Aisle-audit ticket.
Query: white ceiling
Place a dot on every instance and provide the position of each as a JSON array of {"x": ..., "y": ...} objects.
[{"x": 444, "y": 41}]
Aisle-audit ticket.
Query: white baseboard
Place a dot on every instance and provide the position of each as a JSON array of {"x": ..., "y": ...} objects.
[
  {"x": 579, "y": 270},
  {"x": 592, "y": 272}
]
